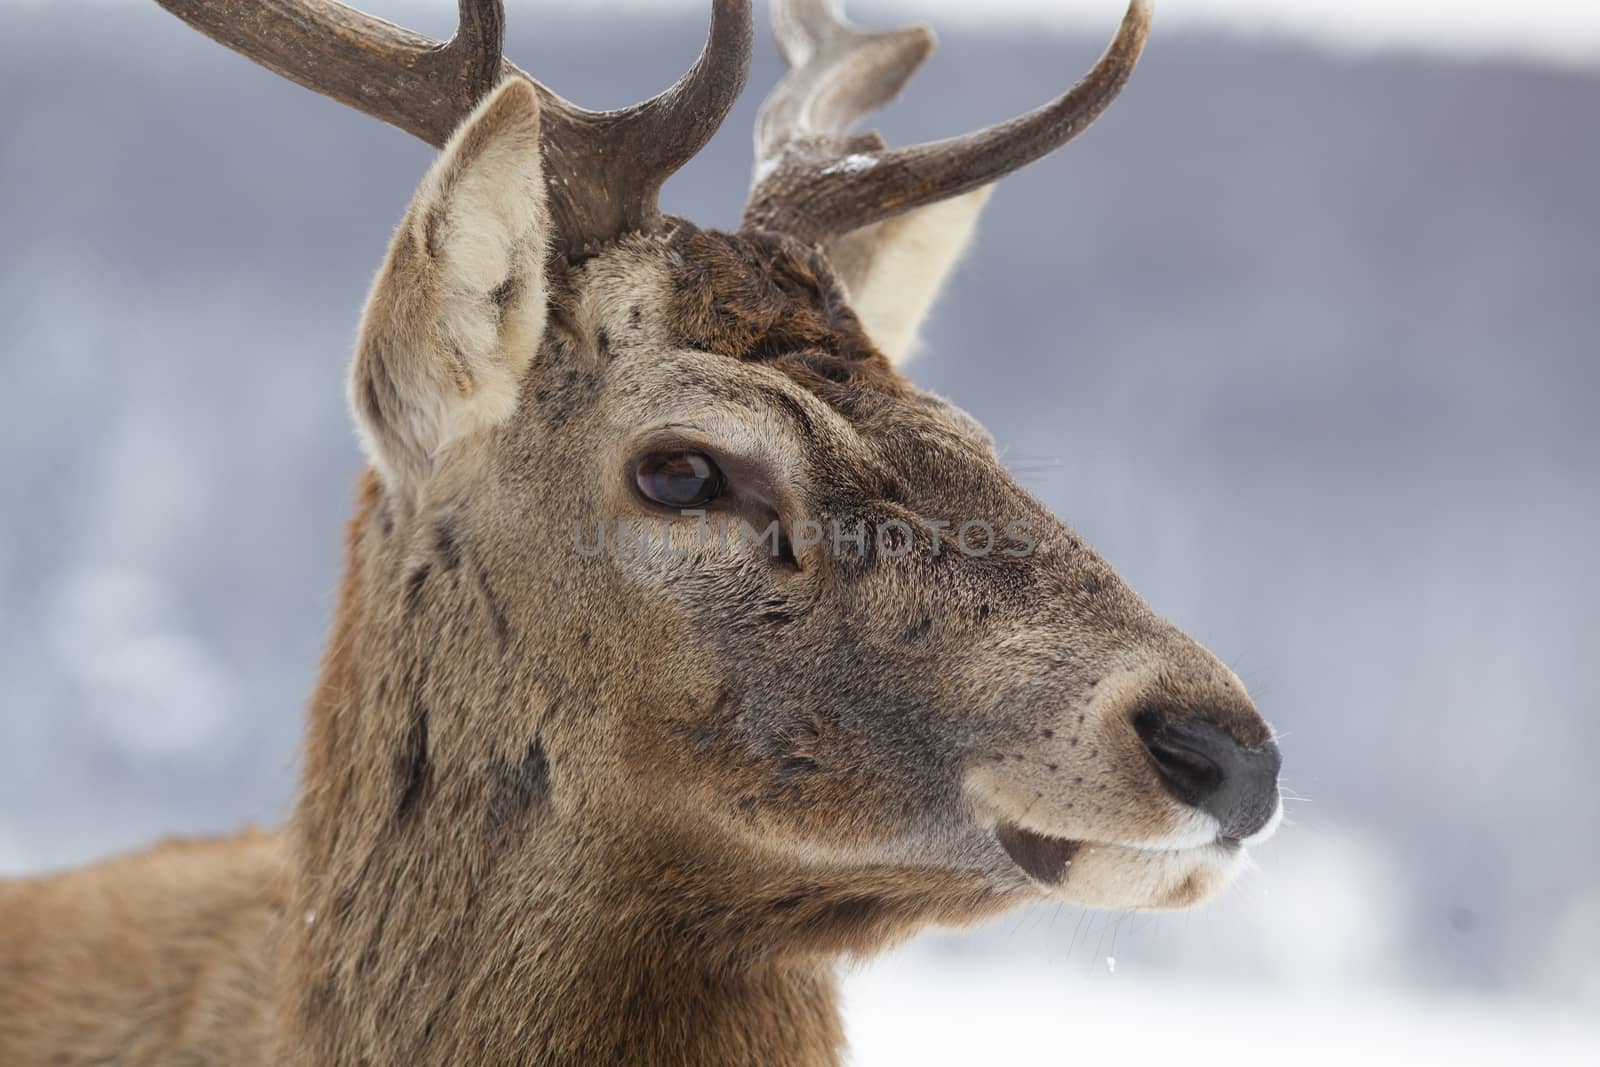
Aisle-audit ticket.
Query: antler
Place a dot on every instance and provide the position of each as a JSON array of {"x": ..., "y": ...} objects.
[
  {"x": 815, "y": 181},
  {"x": 605, "y": 168}
]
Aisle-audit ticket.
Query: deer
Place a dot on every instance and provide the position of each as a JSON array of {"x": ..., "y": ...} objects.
[{"x": 607, "y": 806}]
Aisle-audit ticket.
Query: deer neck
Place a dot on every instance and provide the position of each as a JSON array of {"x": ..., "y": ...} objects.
[
  {"x": 415, "y": 965},
  {"x": 437, "y": 919}
]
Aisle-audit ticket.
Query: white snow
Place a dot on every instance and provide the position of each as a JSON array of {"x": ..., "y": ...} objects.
[
  {"x": 919, "y": 1007},
  {"x": 855, "y": 163}
]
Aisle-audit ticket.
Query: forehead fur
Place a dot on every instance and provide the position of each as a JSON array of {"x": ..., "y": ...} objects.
[{"x": 762, "y": 297}]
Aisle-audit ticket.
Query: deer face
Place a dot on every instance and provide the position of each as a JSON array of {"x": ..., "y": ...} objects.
[
  {"x": 751, "y": 593},
  {"x": 916, "y": 665}
]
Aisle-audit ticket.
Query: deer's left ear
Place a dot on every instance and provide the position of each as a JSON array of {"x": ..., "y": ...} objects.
[
  {"x": 895, "y": 269},
  {"x": 459, "y": 308}
]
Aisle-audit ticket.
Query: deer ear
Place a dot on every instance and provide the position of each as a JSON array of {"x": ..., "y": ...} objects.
[
  {"x": 458, "y": 309},
  {"x": 894, "y": 269}
]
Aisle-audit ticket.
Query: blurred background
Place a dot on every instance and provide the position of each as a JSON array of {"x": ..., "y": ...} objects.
[{"x": 1303, "y": 337}]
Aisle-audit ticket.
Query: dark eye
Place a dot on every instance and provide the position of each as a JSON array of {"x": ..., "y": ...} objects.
[{"x": 679, "y": 479}]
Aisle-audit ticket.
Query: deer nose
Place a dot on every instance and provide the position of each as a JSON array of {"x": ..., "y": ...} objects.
[{"x": 1202, "y": 766}]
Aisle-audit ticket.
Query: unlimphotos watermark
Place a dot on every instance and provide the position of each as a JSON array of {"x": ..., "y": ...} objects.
[{"x": 892, "y": 538}]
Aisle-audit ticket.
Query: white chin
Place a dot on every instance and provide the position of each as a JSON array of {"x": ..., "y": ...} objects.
[{"x": 1124, "y": 878}]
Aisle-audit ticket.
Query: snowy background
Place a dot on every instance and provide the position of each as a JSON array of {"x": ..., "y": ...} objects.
[{"x": 1321, "y": 382}]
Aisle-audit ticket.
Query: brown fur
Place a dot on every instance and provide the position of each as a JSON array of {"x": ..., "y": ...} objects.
[
  {"x": 763, "y": 297},
  {"x": 561, "y": 808}
]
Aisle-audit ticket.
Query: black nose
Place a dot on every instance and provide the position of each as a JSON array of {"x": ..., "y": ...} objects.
[{"x": 1205, "y": 768}]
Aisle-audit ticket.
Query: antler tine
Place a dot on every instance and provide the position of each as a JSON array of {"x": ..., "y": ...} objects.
[
  {"x": 605, "y": 168},
  {"x": 838, "y": 74},
  {"x": 608, "y": 167},
  {"x": 692, "y": 110},
  {"x": 814, "y": 195}
]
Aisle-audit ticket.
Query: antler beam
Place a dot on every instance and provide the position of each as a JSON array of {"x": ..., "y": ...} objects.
[
  {"x": 606, "y": 168},
  {"x": 815, "y": 181}
]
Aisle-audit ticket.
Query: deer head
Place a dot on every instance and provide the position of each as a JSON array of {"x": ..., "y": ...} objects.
[{"x": 669, "y": 577}]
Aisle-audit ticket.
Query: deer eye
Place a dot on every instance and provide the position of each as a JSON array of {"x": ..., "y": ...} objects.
[{"x": 679, "y": 479}]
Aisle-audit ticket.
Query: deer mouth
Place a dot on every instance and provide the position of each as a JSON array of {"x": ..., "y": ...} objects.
[
  {"x": 1044, "y": 859},
  {"x": 1048, "y": 860}
]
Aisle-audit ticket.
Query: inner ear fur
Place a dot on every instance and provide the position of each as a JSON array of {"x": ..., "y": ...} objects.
[
  {"x": 458, "y": 308},
  {"x": 895, "y": 269}
]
